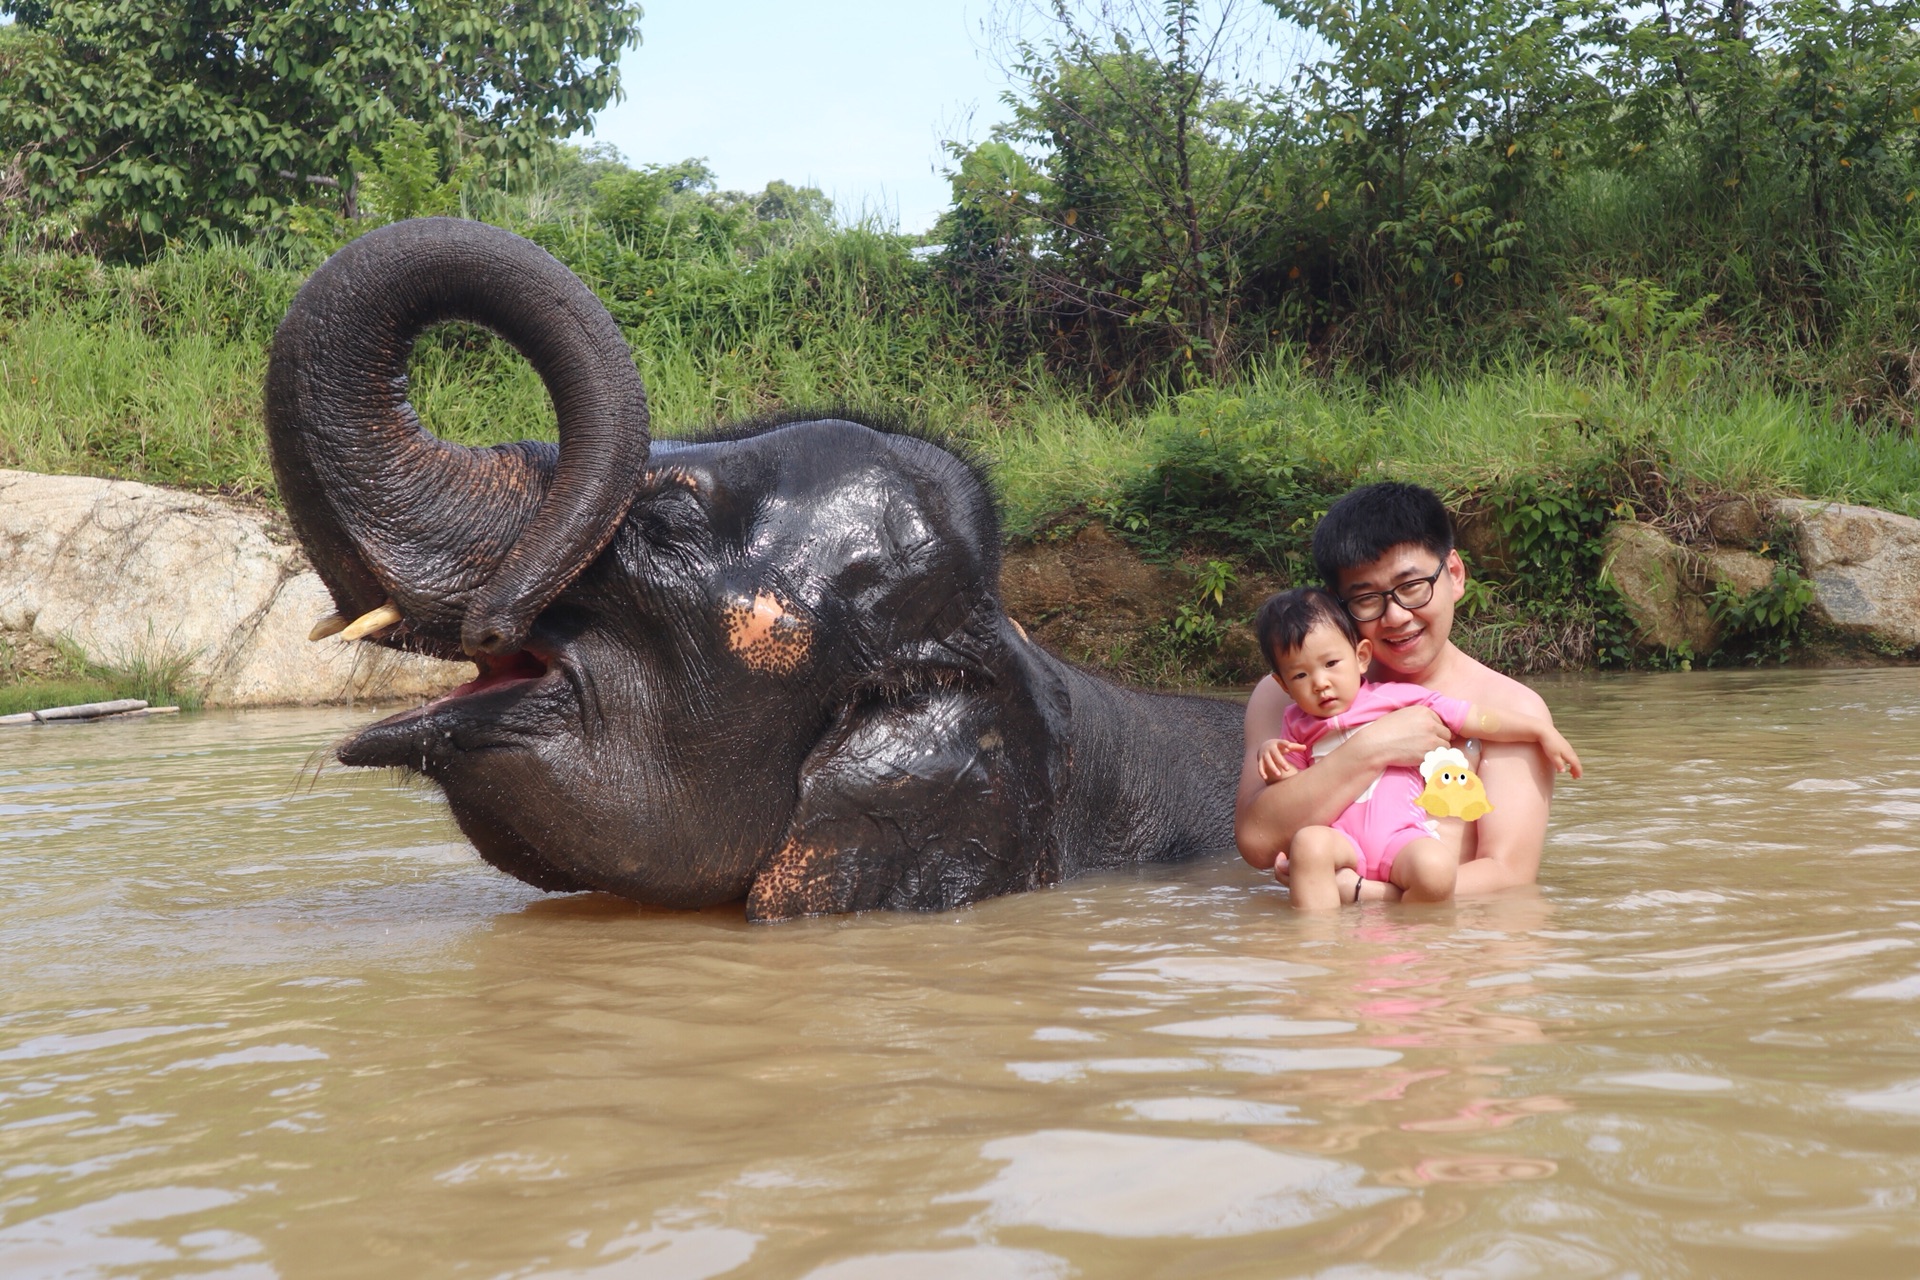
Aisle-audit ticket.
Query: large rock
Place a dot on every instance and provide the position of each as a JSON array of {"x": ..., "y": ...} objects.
[
  {"x": 1865, "y": 567},
  {"x": 1737, "y": 522},
  {"x": 135, "y": 574},
  {"x": 1659, "y": 581},
  {"x": 1741, "y": 572}
]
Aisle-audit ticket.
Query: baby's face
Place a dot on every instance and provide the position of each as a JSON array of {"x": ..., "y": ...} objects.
[{"x": 1323, "y": 675}]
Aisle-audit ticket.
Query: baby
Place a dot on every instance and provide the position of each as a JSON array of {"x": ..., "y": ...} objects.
[{"x": 1320, "y": 661}]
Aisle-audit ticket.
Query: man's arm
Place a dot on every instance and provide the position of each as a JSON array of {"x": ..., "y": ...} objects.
[
  {"x": 1508, "y": 841},
  {"x": 1265, "y": 817}
]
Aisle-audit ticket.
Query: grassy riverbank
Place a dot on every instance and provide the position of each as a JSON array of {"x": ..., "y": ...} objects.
[
  {"x": 34, "y": 676},
  {"x": 152, "y": 372}
]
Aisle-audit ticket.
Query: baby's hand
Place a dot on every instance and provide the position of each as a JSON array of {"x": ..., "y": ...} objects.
[
  {"x": 1559, "y": 753},
  {"x": 1274, "y": 765}
]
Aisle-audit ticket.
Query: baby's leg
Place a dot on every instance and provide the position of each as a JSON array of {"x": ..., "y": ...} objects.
[
  {"x": 1424, "y": 869},
  {"x": 1317, "y": 856}
]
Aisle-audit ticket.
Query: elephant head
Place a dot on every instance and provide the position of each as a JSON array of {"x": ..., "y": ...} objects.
[{"x": 768, "y": 664}]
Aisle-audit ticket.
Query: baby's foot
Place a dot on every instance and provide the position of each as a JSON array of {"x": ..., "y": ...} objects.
[{"x": 1349, "y": 881}]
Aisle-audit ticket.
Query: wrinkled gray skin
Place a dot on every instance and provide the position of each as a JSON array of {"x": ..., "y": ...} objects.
[{"x": 769, "y": 666}]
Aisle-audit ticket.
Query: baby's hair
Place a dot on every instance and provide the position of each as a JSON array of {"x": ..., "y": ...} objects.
[{"x": 1287, "y": 619}]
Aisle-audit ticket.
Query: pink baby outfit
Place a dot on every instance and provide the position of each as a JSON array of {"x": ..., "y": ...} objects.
[{"x": 1385, "y": 818}]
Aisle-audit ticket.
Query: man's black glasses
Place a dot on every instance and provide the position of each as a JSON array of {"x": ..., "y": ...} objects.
[{"x": 1411, "y": 595}]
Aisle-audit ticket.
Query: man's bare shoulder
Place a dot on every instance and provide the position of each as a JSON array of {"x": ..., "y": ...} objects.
[{"x": 1474, "y": 681}]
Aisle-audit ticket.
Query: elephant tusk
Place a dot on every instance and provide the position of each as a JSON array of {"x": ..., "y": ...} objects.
[
  {"x": 331, "y": 625},
  {"x": 368, "y": 623}
]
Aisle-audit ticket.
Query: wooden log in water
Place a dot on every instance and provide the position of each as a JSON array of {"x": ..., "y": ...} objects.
[{"x": 79, "y": 711}]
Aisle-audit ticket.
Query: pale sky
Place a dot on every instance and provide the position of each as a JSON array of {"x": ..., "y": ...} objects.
[{"x": 851, "y": 96}]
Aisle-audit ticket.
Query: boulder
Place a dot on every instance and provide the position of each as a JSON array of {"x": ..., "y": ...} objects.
[
  {"x": 1659, "y": 581},
  {"x": 1865, "y": 568},
  {"x": 135, "y": 574},
  {"x": 1737, "y": 522},
  {"x": 1742, "y": 572}
]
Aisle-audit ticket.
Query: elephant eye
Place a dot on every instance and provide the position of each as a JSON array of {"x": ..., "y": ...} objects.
[{"x": 671, "y": 515}]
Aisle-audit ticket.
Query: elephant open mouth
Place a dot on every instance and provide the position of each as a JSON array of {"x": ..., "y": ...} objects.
[
  {"x": 514, "y": 670},
  {"x": 514, "y": 699}
]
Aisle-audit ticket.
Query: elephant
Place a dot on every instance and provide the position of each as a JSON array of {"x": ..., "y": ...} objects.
[{"x": 764, "y": 664}]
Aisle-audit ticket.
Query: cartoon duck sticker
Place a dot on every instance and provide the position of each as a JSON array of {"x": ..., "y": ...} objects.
[{"x": 1453, "y": 788}]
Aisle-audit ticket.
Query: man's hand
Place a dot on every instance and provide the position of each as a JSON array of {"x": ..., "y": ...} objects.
[
  {"x": 1274, "y": 765},
  {"x": 1402, "y": 737}
]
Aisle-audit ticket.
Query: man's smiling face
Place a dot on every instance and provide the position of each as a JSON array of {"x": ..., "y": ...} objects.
[{"x": 1407, "y": 642}]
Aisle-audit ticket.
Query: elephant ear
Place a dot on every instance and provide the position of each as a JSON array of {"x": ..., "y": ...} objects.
[{"x": 930, "y": 794}]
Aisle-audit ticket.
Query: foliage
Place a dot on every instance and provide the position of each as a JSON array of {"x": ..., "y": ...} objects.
[
  {"x": 1239, "y": 476},
  {"x": 735, "y": 304},
  {"x": 153, "y": 373},
  {"x": 1769, "y": 624},
  {"x": 1460, "y": 251},
  {"x": 1198, "y": 624},
  {"x": 1136, "y": 239},
  {"x": 143, "y": 120},
  {"x": 403, "y": 178},
  {"x": 1550, "y": 527},
  {"x": 1766, "y": 625},
  {"x": 1454, "y": 186},
  {"x": 1431, "y": 127},
  {"x": 1636, "y": 327},
  {"x": 1811, "y": 100},
  {"x": 1248, "y": 489}
]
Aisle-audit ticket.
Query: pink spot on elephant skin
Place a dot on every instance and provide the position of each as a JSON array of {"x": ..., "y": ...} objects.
[{"x": 765, "y": 635}]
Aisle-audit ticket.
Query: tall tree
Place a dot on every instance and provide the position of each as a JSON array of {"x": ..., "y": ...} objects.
[
  {"x": 146, "y": 119},
  {"x": 1434, "y": 126},
  {"x": 1142, "y": 213}
]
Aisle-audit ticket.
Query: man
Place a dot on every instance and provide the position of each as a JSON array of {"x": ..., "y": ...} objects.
[{"x": 1386, "y": 550}]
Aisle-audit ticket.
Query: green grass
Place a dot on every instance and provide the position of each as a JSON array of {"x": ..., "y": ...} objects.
[
  {"x": 154, "y": 373},
  {"x": 38, "y": 695},
  {"x": 115, "y": 400},
  {"x": 1463, "y": 436},
  {"x": 72, "y": 677}
]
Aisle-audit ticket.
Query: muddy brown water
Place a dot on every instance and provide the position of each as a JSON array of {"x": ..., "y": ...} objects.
[{"x": 259, "y": 1024}]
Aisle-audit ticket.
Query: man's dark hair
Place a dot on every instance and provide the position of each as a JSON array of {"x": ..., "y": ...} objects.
[
  {"x": 1286, "y": 619},
  {"x": 1373, "y": 520}
]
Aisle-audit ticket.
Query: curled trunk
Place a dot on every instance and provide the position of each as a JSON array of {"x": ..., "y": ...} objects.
[{"x": 470, "y": 544}]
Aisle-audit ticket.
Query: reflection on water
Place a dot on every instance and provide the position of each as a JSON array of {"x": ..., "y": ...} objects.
[{"x": 256, "y": 1023}]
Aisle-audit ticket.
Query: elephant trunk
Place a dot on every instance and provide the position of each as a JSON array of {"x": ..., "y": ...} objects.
[{"x": 470, "y": 544}]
